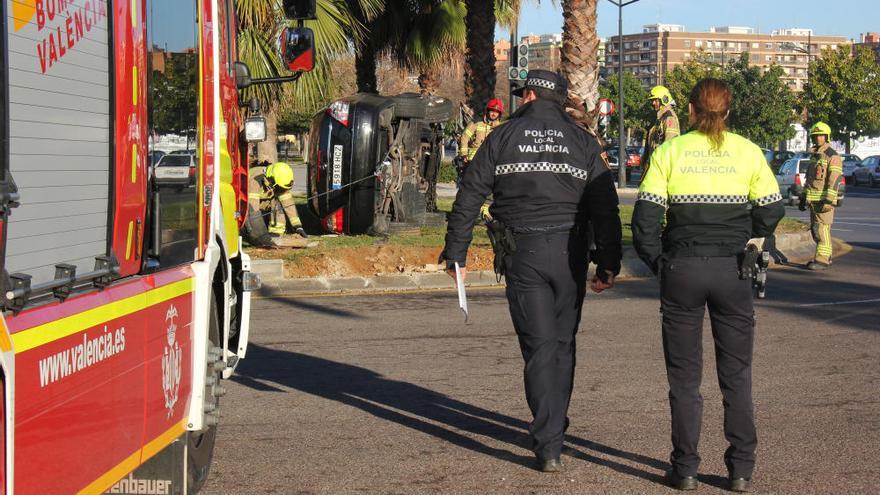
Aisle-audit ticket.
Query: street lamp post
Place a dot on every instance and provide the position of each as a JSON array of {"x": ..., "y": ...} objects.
[{"x": 621, "y": 149}]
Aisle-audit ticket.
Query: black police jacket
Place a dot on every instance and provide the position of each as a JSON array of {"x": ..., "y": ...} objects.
[{"x": 542, "y": 170}]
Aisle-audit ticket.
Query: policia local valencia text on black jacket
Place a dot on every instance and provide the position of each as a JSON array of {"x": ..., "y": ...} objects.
[
  {"x": 548, "y": 182},
  {"x": 543, "y": 170}
]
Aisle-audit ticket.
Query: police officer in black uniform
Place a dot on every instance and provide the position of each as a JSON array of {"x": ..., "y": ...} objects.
[
  {"x": 548, "y": 181},
  {"x": 715, "y": 191}
]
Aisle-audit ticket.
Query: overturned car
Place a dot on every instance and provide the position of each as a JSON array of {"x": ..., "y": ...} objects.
[{"x": 373, "y": 163}]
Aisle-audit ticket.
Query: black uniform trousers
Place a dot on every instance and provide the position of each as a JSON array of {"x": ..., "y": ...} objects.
[
  {"x": 687, "y": 286},
  {"x": 546, "y": 280}
]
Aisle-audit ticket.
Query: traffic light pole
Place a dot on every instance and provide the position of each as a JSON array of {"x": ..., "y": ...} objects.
[
  {"x": 512, "y": 57},
  {"x": 621, "y": 147}
]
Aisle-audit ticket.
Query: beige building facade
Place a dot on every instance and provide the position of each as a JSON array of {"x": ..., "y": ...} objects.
[{"x": 651, "y": 54}]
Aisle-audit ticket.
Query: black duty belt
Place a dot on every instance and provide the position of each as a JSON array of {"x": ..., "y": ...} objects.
[{"x": 544, "y": 229}]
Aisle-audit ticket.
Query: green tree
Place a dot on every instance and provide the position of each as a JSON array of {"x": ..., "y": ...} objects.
[
  {"x": 259, "y": 24},
  {"x": 638, "y": 114},
  {"x": 763, "y": 106},
  {"x": 682, "y": 79},
  {"x": 844, "y": 91}
]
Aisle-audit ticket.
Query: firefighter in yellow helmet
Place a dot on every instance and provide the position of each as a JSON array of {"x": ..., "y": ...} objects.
[
  {"x": 271, "y": 207},
  {"x": 823, "y": 182},
  {"x": 665, "y": 128}
]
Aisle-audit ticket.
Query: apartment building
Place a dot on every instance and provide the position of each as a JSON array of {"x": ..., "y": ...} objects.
[
  {"x": 651, "y": 54},
  {"x": 545, "y": 51},
  {"x": 872, "y": 41}
]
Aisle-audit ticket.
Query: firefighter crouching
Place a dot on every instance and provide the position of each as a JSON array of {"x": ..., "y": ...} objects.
[
  {"x": 716, "y": 191},
  {"x": 271, "y": 208},
  {"x": 823, "y": 181},
  {"x": 548, "y": 182},
  {"x": 665, "y": 128}
]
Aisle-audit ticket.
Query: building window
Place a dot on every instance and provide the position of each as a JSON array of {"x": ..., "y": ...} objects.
[
  {"x": 653, "y": 43},
  {"x": 698, "y": 43},
  {"x": 769, "y": 58},
  {"x": 687, "y": 43},
  {"x": 768, "y": 46},
  {"x": 756, "y": 45},
  {"x": 627, "y": 45}
]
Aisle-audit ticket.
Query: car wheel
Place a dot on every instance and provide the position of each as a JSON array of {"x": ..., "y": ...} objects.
[
  {"x": 409, "y": 106},
  {"x": 792, "y": 199},
  {"x": 871, "y": 181}
]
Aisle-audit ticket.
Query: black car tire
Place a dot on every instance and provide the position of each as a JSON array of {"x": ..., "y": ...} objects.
[
  {"x": 438, "y": 110},
  {"x": 409, "y": 106},
  {"x": 792, "y": 199},
  {"x": 872, "y": 182}
]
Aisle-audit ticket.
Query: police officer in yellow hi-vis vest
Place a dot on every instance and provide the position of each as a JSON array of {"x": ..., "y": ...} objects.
[
  {"x": 716, "y": 192},
  {"x": 271, "y": 206},
  {"x": 824, "y": 179}
]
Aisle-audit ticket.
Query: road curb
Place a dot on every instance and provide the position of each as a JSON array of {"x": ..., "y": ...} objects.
[{"x": 787, "y": 246}]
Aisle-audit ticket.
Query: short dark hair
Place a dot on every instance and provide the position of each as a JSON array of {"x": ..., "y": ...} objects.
[{"x": 547, "y": 94}]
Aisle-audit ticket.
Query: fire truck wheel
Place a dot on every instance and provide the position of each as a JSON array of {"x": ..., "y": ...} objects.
[{"x": 200, "y": 445}]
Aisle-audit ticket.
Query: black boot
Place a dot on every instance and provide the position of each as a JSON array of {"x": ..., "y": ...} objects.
[{"x": 680, "y": 482}]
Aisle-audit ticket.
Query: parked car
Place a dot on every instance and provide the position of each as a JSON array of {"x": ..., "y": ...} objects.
[
  {"x": 868, "y": 172},
  {"x": 850, "y": 163},
  {"x": 156, "y": 155},
  {"x": 183, "y": 152},
  {"x": 373, "y": 162},
  {"x": 791, "y": 178},
  {"x": 776, "y": 158},
  {"x": 176, "y": 169}
]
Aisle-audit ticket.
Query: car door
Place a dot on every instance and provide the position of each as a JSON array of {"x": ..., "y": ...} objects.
[
  {"x": 861, "y": 172},
  {"x": 785, "y": 176}
]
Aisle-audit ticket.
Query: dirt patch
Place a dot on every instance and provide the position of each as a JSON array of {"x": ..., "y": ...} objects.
[{"x": 368, "y": 261}]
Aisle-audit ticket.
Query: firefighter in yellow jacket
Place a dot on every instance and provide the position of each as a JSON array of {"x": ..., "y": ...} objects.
[
  {"x": 824, "y": 178},
  {"x": 477, "y": 132},
  {"x": 272, "y": 210},
  {"x": 666, "y": 127}
]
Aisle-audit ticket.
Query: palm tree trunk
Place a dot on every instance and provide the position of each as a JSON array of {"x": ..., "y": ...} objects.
[
  {"x": 580, "y": 44},
  {"x": 268, "y": 150},
  {"x": 479, "y": 79},
  {"x": 365, "y": 68},
  {"x": 429, "y": 81}
]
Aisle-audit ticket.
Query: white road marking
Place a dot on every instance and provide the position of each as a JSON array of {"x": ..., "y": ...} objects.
[
  {"x": 862, "y": 224},
  {"x": 865, "y": 301}
]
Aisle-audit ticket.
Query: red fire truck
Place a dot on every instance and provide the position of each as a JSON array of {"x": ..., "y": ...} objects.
[{"x": 124, "y": 287}]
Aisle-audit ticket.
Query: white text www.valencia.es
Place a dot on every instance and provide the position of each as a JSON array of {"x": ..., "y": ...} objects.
[{"x": 79, "y": 357}]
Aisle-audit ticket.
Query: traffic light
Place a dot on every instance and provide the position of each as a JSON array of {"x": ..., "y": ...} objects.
[
  {"x": 523, "y": 56},
  {"x": 519, "y": 63}
]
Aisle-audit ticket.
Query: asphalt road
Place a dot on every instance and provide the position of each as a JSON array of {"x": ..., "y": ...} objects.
[{"x": 393, "y": 394}]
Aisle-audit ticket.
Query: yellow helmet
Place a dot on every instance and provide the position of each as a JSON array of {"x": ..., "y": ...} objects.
[
  {"x": 820, "y": 128},
  {"x": 281, "y": 174},
  {"x": 662, "y": 94}
]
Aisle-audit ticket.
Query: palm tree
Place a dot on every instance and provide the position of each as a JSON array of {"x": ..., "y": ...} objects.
[
  {"x": 579, "y": 66},
  {"x": 479, "y": 72},
  {"x": 259, "y": 25}
]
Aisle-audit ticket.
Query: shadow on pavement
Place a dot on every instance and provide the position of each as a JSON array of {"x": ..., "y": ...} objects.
[
  {"x": 418, "y": 408},
  {"x": 299, "y": 303}
]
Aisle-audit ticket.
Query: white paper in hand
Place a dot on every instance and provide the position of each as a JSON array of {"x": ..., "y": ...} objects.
[{"x": 462, "y": 296}]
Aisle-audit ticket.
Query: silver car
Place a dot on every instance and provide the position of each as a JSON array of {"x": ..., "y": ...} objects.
[
  {"x": 791, "y": 177},
  {"x": 868, "y": 172}
]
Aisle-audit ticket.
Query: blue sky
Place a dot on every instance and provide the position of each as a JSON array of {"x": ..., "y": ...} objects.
[{"x": 844, "y": 18}]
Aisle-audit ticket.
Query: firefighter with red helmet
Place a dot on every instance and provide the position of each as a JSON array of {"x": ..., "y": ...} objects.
[{"x": 477, "y": 132}]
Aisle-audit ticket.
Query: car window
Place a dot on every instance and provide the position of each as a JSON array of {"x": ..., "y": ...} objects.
[
  {"x": 802, "y": 166},
  {"x": 174, "y": 161}
]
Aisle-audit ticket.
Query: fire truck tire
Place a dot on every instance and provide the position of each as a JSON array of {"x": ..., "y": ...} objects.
[{"x": 200, "y": 445}]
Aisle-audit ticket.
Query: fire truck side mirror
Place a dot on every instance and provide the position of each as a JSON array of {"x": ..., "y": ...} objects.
[
  {"x": 242, "y": 75},
  {"x": 297, "y": 49},
  {"x": 300, "y": 9},
  {"x": 255, "y": 129}
]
